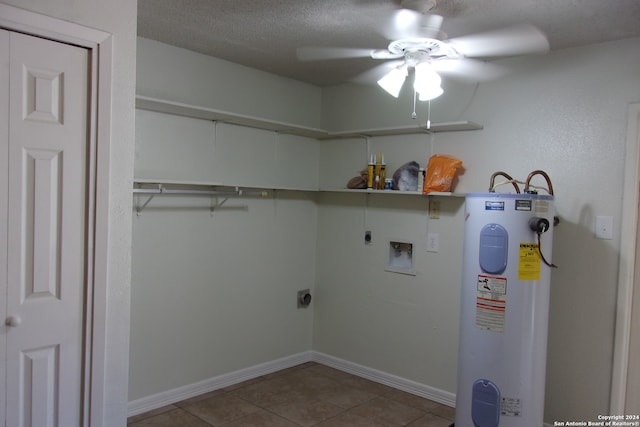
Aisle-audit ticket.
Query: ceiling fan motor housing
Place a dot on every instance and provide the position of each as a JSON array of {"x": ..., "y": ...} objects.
[{"x": 417, "y": 50}]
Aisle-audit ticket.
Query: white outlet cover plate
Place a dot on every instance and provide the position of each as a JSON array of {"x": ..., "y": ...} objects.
[
  {"x": 433, "y": 242},
  {"x": 604, "y": 227}
]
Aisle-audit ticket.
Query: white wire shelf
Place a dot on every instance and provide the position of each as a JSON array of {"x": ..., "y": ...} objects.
[
  {"x": 392, "y": 192},
  {"x": 152, "y": 188},
  {"x": 199, "y": 112}
]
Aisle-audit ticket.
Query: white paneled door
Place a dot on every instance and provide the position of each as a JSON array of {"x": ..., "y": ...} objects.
[{"x": 43, "y": 202}]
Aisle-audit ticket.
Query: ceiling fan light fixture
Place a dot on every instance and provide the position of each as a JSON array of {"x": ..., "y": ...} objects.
[
  {"x": 421, "y": 6},
  {"x": 431, "y": 94},
  {"x": 427, "y": 82},
  {"x": 392, "y": 81}
]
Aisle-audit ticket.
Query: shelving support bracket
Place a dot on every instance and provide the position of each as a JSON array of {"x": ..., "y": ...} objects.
[
  {"x": 141, "y": 207},
  {"x": 160, "y": 189},
  {"x": 216, "y": 204}
]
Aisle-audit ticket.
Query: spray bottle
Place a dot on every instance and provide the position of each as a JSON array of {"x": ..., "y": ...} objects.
[
  {"x": 378, "y": 167},
  {"x": 370, "y": 167}
]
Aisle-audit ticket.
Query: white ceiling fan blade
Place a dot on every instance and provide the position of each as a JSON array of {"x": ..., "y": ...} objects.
[
  {"x": 406, "y": 23},
  {"x": 319, "y": 53},
  {"x": 374, "y": 74},
  {"x": 517, "y": 40},
  {"x": 469, "y": 70},
  {"x": 385, "y": 54}
]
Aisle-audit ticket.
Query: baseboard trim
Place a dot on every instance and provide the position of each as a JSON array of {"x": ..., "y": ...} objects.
[
  {"x": 169, "y": 397},
  {"x": 413, "y": 387}
]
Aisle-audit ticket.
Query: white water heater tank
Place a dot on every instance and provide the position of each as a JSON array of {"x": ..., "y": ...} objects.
[{"x": 504, "y": 310}]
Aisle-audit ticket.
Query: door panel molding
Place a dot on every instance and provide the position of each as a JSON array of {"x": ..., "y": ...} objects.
[
  {"x": 47, "y": 237},
  {"x": 100, "y": 46}
]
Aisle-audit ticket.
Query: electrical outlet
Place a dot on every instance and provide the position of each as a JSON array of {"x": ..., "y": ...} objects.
[{"x": 604, "y": 227}]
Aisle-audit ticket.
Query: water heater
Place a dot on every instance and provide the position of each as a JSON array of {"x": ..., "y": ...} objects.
[{"x": 504, "y": 308}]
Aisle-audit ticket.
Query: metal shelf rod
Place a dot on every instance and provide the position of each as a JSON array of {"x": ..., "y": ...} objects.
[{"x": 161, "y": 190}]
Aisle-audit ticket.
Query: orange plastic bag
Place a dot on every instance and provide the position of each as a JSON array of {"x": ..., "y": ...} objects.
[{"x": 441, "y": 171}]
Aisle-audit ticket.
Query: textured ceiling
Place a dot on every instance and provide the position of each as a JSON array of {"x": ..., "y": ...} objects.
[{"x": 264, "y": 34}]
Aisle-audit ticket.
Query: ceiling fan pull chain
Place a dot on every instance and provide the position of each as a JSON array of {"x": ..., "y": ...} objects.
[
  {"x": 413, "y": 114},
  {"x": 429, "y": 114}
]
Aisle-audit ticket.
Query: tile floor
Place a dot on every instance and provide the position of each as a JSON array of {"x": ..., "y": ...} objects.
[{"x": 310, "y": 394}]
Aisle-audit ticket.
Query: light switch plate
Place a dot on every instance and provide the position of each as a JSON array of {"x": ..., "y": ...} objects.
[
  {"x": 433, "y": 242},
  {"x": 604, "y": 227}
]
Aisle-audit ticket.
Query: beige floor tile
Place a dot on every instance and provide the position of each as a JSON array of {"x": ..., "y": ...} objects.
[
  {"x": 383, "y": 409},
  {"x": 346, "y": 397},
  {"x": 430, "y": 420},
  {"x": 307, "y": 413},
  {"x": 332, "y": 373},
  {"x": 294, "y": 396},
  {"x": 173, "y": 418},
  {"x": 199, "y": 397},
  {"x": 220, "y": 409},
  {"x": 243, "y": 384},
  {"x": 291, "y": 369},
  {"x": 367, "y": 385},
  {"x": 266, "y": 393},
  {"x": 305, "y": 395},
  {"x": 261, "y": 418},
  {"x": 444, "y": 412},
  {"x": 306, "y": 378},
  {"x": 149, "y": 414},
  {"x": 348, "y": 419},
  {"x": 411, "y": 400}
]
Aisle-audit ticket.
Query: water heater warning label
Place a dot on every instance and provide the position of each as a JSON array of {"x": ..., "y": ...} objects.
[
  {"x": 529, "y": 262},
  {"x": 491, "y": 303},
  {"x": 511, "y": 407}
]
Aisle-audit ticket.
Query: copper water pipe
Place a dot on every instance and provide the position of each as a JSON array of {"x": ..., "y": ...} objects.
[
  {"x": 506, "y": 175},
  {"x": 538, "y": 172}
]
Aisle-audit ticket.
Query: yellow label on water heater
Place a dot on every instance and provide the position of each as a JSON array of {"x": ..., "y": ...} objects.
[{"x": 529, "y": 262}]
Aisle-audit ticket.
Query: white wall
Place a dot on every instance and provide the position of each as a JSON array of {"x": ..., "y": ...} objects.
[
  {"x": 215, "y": 293},
  {"x": 400, "y": 324},
  {"x": 404, "y": 325},
  {"x": 565, "y": 113},
  {"x": 205, "y": 81},
  {"x": 117, "y": 17}
]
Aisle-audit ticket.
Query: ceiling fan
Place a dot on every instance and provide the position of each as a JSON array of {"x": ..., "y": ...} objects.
[{"x": 418, "y": 47}]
